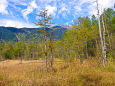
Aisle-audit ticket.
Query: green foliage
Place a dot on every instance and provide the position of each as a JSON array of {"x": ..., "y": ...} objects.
[
  {"x": 113, "y": 23},
  {"x": 81, "y": 40},
  {"x": 109, "y": 16},
  {"x": 7, "y": 51},
  {"x": 76, "y": 39},
  {"x": 19, "y": 48}
]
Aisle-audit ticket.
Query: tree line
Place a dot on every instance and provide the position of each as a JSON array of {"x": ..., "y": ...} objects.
[{"x": 86, "y": 38}]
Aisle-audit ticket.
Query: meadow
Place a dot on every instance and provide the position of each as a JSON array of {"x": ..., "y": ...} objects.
[
  {"x": 65, "y": 73},
  {"x": 57, "y": 49}
]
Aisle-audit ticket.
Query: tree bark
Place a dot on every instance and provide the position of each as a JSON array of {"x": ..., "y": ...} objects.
[
  {"x": 46, "y": 54},
  {"x": 104, "y": 42},
  {"x": 100, "y": 33}
]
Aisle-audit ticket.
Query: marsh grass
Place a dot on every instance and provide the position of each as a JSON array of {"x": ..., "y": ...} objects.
[{"x": 32, "y": 73}]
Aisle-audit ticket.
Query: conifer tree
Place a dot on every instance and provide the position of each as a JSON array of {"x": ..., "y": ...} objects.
[{"x": 44, "y": 22}]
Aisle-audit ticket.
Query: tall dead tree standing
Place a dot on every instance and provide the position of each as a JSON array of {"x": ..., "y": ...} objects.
[{"x": 101, "y": 37}]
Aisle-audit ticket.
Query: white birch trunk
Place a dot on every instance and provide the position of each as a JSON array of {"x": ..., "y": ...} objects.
[
  {"x": 100, "y": 32},
  {"x": 104, "y": 43}
]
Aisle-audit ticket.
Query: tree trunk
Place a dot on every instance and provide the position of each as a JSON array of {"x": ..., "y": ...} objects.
[
  {"x": 46, "y": 54},
  {"x": 51, "y": 56},
  {"x": 86, "y": 51},
  {"x": 104, "y": 43},
  {"x": 100, "y": 33}
]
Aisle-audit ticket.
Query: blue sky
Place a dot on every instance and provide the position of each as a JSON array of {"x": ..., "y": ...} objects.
[{"x": 22, "y": 13}]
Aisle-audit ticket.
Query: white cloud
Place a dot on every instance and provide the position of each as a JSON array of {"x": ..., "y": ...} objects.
[
  {"x": 106, "y": 3},
  {"x": 51, "y": 10},
  {"x": 47, "y": 1},
  {"x": 18, "y": 2},
  {"x": 67, "y": 9},
  {"x": 64, "y": 9},
  {"x": 90, "y": 7},
  {"x": 78, "y": 8},
  {"x": 3, "y": 6},
  {"x": 32, "y": 5},
  {"x": 27, "y": 11},
  {"x": 102, "y": 4},
  {"x": 15, "y": 23},
  {"x": 81, "y": 2}
]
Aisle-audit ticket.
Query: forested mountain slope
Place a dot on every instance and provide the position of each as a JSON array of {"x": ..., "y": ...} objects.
[{"x": 9, "y": 33}]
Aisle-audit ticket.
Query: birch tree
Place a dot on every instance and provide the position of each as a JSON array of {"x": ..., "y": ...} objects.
[
  {"x": 100, "y": 34},
  {"x": 104, "y": 44}
]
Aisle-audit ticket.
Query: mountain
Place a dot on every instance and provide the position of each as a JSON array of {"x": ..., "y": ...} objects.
[{"x": 10, "y": 33}]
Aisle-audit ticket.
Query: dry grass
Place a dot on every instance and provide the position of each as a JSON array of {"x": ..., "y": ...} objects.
[{"x": 31, "y": 73}]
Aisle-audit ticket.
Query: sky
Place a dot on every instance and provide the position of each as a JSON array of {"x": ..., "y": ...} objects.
[{"x": 22, "y": 13}]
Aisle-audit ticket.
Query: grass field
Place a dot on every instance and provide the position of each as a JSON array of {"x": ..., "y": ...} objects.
[{"x": 32, "y": 73}]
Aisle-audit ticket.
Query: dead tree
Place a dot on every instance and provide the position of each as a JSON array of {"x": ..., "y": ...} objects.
[
  {"x": 100, "y": 34},
  {"x": 104, "y": 40}
]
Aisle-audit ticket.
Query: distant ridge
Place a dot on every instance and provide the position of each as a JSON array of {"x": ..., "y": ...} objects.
[{"x": 9, "y": 33}]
